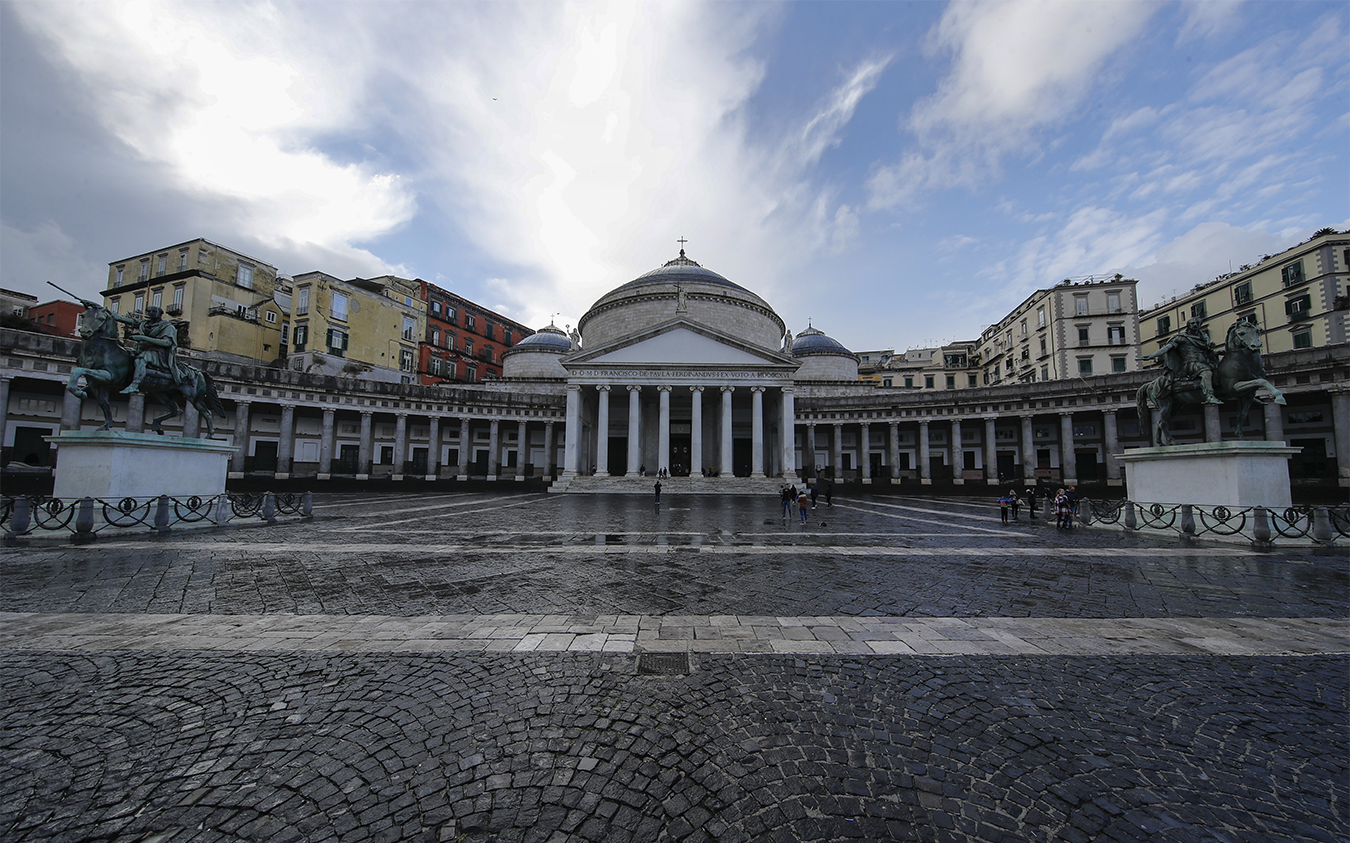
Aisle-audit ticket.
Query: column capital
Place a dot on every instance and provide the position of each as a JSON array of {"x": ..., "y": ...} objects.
[
  {"x": 664, "y": 388},
  {"x": 574, "y": 387},
  {"x": 893, "y": 424},
  {"x": 923, "y": 423},
  {"x": 287, "y": 405},
  {"x": 811, "y": 425},
  {"x": 696, "y": 389},
  {"x": 366, "y": 413},
  {"x": 329, "y": 412},
  {"x": 602, "y": 387},
  {"x": 403, "y": 415},
  {"x": 865, "y": 425},
  {"x": 787, "y": 389},
  {"x": 728, "y": 389},
  {"x": 758, "y": 388},
  {"x": 635, "y": 387}
]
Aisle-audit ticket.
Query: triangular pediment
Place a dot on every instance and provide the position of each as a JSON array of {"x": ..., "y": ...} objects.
[{"x": 680, "y": 343}]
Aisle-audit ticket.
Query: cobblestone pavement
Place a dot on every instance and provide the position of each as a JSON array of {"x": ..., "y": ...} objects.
[{"x": 339, "y": 679}]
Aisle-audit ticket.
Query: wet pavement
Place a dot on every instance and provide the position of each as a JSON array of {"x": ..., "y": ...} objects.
[{"x": 521, "y": 667}]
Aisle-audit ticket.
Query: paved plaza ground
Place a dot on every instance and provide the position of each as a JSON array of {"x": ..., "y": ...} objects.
[{"x": 525, "y": 667}]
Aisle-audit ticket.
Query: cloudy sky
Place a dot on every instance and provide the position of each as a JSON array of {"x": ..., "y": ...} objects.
[{"x": 898, "y": 173}]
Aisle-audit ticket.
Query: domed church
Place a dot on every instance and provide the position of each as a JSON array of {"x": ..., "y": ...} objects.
[{"x": 680, "y": 370}]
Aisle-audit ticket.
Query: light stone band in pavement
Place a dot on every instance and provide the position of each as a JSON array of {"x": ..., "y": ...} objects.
[{"x": 857, "y": 636}]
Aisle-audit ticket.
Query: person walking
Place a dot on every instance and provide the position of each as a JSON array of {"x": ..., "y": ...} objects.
[
  {"x": 829, "y": 493},
  {"x": 815, "y": 492},
  {"x": 1031, "y": 502},
  {"x": 803, "y": 503},
  {"x": 1003, "y": 509},
  {"x": 786, "y": 499},
  {"x": 1013, "y": 502},
  {"x": 658, "y": 491}
]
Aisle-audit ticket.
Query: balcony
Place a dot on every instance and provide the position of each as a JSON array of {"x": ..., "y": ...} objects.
[
  {"x": 1300, "y": 315},
  {"x": 233, "y": 312}
]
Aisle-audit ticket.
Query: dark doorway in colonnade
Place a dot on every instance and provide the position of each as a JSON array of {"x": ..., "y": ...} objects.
[
  {"x": 1087, "y": 466},
  {"x": 419, "y": 461},
  {"x": 348, "y": 455},
  {"x": 875, "y": 467},
  {"x": 939, "y": 470},
  {"x": 30, "y": 448},
  {"x": 1006, "y": 468},
  {"x": 265, "y": 456},
  {"x": 679, "y": 455},
  {"x": 741, "y": 449},
  {"x": 618, "y": 455}
]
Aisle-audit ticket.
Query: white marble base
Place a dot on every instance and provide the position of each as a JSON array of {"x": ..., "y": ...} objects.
[
  {"x": 1237, "y": 473},
  {"x": 112, "y": 465}
]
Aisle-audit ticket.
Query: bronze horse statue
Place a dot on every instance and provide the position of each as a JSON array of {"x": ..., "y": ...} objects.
[
  {"x": 107, "y": 368},
  {"x": 1239, "y": 376}
]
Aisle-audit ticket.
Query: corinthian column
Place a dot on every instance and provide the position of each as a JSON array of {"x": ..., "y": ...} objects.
[
  {"x": 602, "y": 431},
  {"x": 696, "y": 432},
  {"x": 634, "y": 430},
  {"x": 727, "y": 467},
  {"x": 663, "y": 429},
  {"x": 756, "y": 431}
]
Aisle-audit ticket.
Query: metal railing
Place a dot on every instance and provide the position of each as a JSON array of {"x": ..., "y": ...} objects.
[
  {"x": 1261, "y": 526},
  {"x": 84, "y": 518}
]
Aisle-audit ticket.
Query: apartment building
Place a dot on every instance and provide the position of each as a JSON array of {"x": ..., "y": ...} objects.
[
  {"x": 57, "y": 317},
  {"x": 463, "y": 341},
  {"x": 1300, "y": 298},
  {"x": 1074, "y": 329},
  {"x": 226, "y": 305},
  {"x": 367, "y": 327}
]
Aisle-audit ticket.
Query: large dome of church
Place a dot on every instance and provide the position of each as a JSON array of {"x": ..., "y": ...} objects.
[{"x": 681, "y": 289}]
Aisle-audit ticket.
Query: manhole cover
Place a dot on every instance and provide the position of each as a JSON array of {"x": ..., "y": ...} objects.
[{"x": 663, "y": 664}]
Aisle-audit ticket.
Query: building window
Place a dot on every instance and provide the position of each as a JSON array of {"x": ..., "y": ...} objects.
[
  {"x": 468, "y": 345},
  {"x": 1303, "y": 339},
  {"x": 1300, "y": 307},
  {"x": 1198, "y": 310},
  {"x": 161, "y": 264},
  {"x": 1242, "y": 293},
  {"x": 300, "y": 336},
  {"x": 1042, "y": 346},
  {"x": 909, "y": 382},
  {"x": 927, "y": 381},
  {"x": 1113, "y": 302},
  {"x": 1084, "y": 365},
  {"x": 951, "y": 381},
  {"x": 145, "y": 270},
  {"x": 340, "y": 307},
  {"x": 1040, "y": 317},
  {"x": 970, "y": 380},
  {"x": 470, "y": 374},
  {"x": 1024, "y": 327},
  {"x": 139, "y": 307},
  {"x": 244, "y": 276},
  {"x": 435, "y": 336},
  {"x": 1292, "y": 273},
  {"x": 1164, "y": 325},
  {"x": 157, "y": 299},
  {"x": 885, "y": 381},
  {"x": 436, "y": 308},
  {"x": 114, "y": 304},
  {"x": 178, "y": 299},
  {"x": 302, "y": 301},
  {"x": 1045, "y": 373},
  {"x": 434, "y": 366},
  {"x": 1117, "y": 364},
  {"x": 337, "y": 341},
  {"x": 182, "y": 259},
  {"x": 469, "y": 321},
  {"x": 405, "y": 360},
  {"x": 1115, "y": 334},
  {"x": 1080, "y": 305},
  {"x": 449, "y": 313},
  {"x": 1083, "y": 335},
  {"x": 120, "y": 271},
  {"x": 270, "y": 316},
  {"x": 408, "y": 326}
]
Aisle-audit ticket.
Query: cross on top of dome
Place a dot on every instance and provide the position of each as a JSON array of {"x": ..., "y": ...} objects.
[{"x": 682, "y": 260}]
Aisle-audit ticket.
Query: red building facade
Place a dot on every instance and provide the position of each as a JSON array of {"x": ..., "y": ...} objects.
[
  {"x": 464, "y": 340},
  {"x": 56, "y": 317}
]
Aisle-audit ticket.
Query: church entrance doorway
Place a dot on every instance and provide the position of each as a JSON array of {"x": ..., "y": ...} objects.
[
  {"x": 679, "y": 456},
  {"x": 618, "y": 455},
  {"x": 740, "y": 457}
]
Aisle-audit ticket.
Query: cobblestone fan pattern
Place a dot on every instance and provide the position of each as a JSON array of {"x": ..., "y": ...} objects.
[
  {"x": 601, "y": 555},
  {"x": 274, "y": 746}
]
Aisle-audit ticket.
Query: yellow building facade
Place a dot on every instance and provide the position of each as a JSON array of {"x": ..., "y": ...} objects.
[
  {"x": 226, "y": 305},
  {"x": 1300, "y": 298},
  {"x": 367, "y": 326}
]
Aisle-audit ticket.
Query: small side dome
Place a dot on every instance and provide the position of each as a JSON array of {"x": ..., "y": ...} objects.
[
  {"x": 814, "y": 341},
  {"x": 550, "y": 338}
]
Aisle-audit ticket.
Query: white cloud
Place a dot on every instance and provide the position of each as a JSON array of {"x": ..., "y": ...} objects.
[
  {"x": 1208, "y": 19},
  {"x": 1016, "y": 68},
  {"x": 1198, "y": 256}
]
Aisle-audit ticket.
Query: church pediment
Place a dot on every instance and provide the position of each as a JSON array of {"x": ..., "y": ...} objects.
[{"x": 680, "y": 344}]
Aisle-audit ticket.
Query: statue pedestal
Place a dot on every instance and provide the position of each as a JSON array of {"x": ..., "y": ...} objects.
[
  {"x": 1236, "y": 473},
  {"x": 113, "y": 465}
]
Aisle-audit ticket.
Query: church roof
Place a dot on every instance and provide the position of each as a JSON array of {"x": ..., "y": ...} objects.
[
  {"x": 680, "y": 269},
  {"x": 550, "y": 338},
  {"x": 814, "y": 341}
]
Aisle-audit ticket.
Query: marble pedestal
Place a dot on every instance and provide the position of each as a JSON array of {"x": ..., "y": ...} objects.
[
  {"x": 1235, "y": 474},
  {"x": 113, "y": 465}
]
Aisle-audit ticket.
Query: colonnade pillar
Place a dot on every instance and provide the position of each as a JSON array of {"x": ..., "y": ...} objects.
[
  {"x": 522, "y": 448},
  {"x": 958, "y": 457},
  {"x": 925, "y": 467},
  {"x": 1028, "y": 453},
  {"x": 494, "y": 448},
  {"x": 433, "y": 446},
  {"x": 285, "y": 442},
  {"x": 4, "y": 407},
  {"x": 602, "y": 431},
  {"x": 326, "y": 445},
  {"x": 809, "y": 458},
  {"x": 756, "y": 431},
  {"x": 550, "y": 448},
  {"x": 400, "y": 444},
  {"x": 1111, "y": 439},
  {"x": 663, "y": 429},
  {"x": 1340, "y": 427},
  {"x": 1274, "y": 419},
  {"x": 696, "y": 431},
  {"x": 363, "y": 450},
  {"x": 865, "y": 451},
  {"x": 634, "y": 430},
  {"x": 572, "y": 430},
  {"x": 727, "y": 467},
  {"x": 240, "y": 438},
  {"x": 789, "y": 433},
  {"x": 894, "y": 433},
  {"x": 991, "y": 477},
  {"x": 1068, "y": 460}
]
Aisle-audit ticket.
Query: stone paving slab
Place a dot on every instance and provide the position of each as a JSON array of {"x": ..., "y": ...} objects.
[{"x": 676, "y": 633}]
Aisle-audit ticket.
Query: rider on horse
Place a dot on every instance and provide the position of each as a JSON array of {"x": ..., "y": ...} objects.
[{"x": 1190, "y": 355}]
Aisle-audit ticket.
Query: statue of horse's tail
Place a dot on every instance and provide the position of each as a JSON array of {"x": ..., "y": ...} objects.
[
  {"x": 212, "y": 396},
  {"x": 1141, "y": 406}
]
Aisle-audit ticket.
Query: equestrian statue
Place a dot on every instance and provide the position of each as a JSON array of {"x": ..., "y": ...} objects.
[
  {"x": 1196, "y": 373},
  {"x": 152, "y": 368}
]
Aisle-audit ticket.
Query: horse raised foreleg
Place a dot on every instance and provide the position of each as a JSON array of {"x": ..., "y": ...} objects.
[
  {"x": 90, "y": 376},
  {"x": 1251, "y": 386}
]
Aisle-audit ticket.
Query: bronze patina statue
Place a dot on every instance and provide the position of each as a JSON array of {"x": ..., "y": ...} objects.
[
  {"x": 1195, "y": 373},
  {"x": 157, "y": 347}
]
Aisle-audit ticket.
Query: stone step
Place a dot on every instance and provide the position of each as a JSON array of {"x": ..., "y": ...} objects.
[{"x": 670, "y": 485}]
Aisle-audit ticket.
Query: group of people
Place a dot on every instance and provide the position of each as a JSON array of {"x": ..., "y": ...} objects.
[
  {"x": 1065, "y": 505},
  {"x": 805, "y": 498}
]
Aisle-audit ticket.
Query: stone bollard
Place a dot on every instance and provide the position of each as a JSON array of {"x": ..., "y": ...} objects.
[
  {"x": 1085, "y": 512},
  {"x": 222, "y": 516},
  {"x": 22, "y": 518},
  {"x": 1187, "y": 525},
  {"x": 1261, "y": 534},
  {"x": 269, "y": 508},
  {"x": 1321, "y": 531},
  {"x": 307, "y": 505},
  {"x": 162, "y": 515},
  {"x": 1131, "y": 518},
  {"x": 1049, "y": 508},
  {"x": 84, "y": 522}
]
